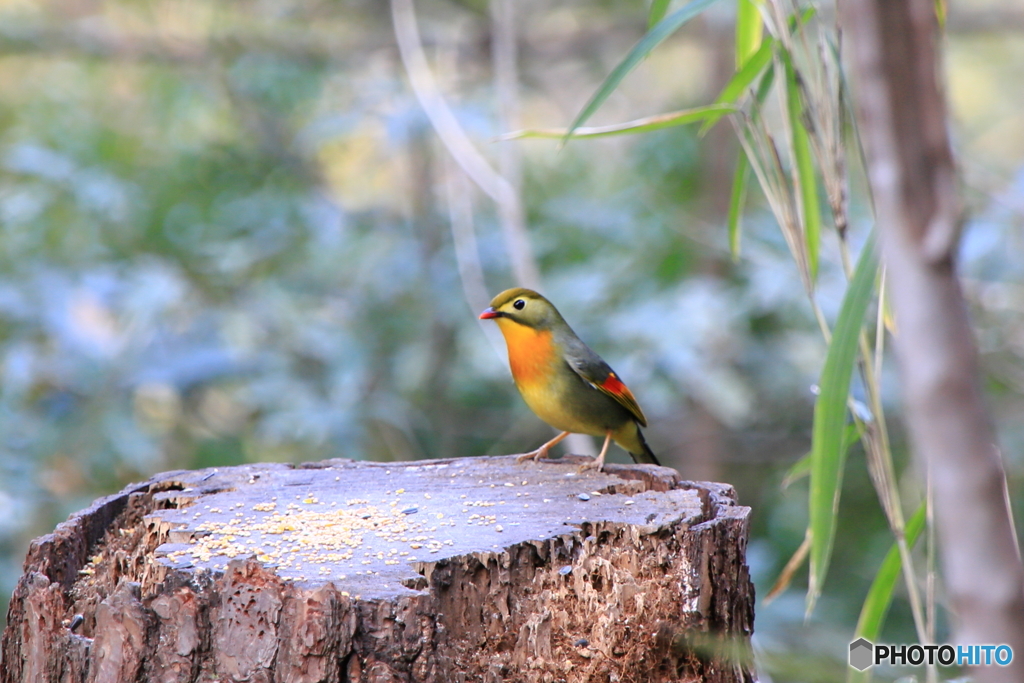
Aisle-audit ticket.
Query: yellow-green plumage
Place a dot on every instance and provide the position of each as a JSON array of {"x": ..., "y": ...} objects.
[{"x": 565, "y": 383}]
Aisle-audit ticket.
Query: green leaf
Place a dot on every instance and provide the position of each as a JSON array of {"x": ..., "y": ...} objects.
[
  {"x": 657, "y": 12},
  {"x": 736, "y": 199},
  {"x": 765, "y": 85},
  {"x": 879, "y": 597},
  {"x": 675, "y": 118},
  {"x": 797, "y": 471},
  {"x": 828, "y": 435},
  {"x": 806, "y": 179},
  {"x": 802, "y": 467},
  {"x": 742, "y": 80},
  {"x": 751, "y": 69},
  {"x": 749, "y": 28},
  {"x": 654, "y": 37}
]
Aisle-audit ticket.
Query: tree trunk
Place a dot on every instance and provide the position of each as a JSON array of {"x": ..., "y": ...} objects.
[
  {"x": 903, "y": 122},
  {"x": 476, "y": 569}
]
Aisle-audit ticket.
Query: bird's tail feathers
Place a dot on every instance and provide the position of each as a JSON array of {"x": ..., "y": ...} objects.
[{"x": 646, "y": 455}]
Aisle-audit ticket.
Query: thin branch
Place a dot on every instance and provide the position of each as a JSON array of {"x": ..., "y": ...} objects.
[
  {"x": 505, "y": 57},
  {"x": 458, "y": 144},
  {"x": 457, "y": 192}
]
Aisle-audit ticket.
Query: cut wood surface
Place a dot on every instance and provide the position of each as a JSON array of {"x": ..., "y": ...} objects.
[{"x": 474, "y": 569}]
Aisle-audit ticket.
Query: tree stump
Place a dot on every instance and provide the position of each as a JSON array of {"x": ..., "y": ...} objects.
[{"x": 473, "y": 569}]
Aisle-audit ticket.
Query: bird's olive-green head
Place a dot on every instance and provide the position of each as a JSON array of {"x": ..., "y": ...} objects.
[{"x": 523, "y": 306}]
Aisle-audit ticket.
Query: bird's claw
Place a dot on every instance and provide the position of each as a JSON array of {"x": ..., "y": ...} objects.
[
  {"x": 595, "y": 464},
  {"x": 533, "y": 455}
]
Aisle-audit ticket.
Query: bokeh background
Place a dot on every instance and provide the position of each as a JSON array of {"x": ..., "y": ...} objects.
[{"x": 226, "y": 236}]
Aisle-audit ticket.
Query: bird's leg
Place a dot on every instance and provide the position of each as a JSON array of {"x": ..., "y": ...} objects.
[
  {"x": 598, "y": 462},
  {"x": 542, "y": 452}
]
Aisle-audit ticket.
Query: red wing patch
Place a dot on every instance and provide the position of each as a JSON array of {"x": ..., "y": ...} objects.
[
  {"x": 613, "y": 385},
  {"x": 590, "y": 369}
]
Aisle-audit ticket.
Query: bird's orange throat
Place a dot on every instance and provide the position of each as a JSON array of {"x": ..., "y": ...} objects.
[{"x": 530, "y": 351}]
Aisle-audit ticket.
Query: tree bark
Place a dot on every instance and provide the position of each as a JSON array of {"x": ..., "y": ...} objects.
[
  {"x": 477, "y": 569},
  {"x": 903, "y": 123}
]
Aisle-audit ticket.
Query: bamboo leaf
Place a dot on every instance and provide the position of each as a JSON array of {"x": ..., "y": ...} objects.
[
  {"x": 765, "y": 85},
  {"x": 797, "y": 471},
  {"x": 736, "y": 199},
  {"x": 749, "y": 28},
  {"x": 879, "y": 597},
  {"x": 657, "y": 12},
  {"x": 664, "y": 28},
  {"x": 786, "y": 575},
  {"x": 742, "y": 80},
  {"x": 802, "y": 467},
  {"x": 751, "y": 69},
  {"x": 806, "y": 179},
  {"x": 676, "y": 118},
  {"x": 828, "y": 436}
]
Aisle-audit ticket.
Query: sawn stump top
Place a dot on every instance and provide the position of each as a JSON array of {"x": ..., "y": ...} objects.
[{"x": 372, "y": 528}]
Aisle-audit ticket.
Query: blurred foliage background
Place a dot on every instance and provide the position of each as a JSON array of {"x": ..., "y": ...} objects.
[{"x": 226, "y": 237}]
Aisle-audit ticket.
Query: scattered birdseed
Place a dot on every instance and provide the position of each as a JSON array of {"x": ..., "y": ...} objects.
[{"x": 318, "y": 539}]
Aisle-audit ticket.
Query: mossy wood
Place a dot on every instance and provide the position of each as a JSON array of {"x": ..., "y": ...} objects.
[{"x": 477, "y": 569}]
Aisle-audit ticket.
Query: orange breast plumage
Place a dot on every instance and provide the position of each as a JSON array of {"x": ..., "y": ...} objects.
[
  {"x": 534, "y": 359},
  {"x": 531, "y": 352}
]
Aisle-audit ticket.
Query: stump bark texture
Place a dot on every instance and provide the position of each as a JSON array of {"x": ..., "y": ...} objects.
[{"x": 477, "y": 569}]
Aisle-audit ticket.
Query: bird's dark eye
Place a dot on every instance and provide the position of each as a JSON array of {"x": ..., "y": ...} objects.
[{"x": 519, "y": 304}]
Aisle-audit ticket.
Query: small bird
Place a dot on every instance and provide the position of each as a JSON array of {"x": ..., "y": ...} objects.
[{"x": 565, "y": 383}]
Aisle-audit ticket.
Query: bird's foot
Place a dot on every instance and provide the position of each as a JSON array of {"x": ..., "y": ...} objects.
[
  {"x": 595, "y": 464},
  {"x": 536, "y": 455},
  {"x": 542, "y": 452},
  {"x": 598, "y": 462}
]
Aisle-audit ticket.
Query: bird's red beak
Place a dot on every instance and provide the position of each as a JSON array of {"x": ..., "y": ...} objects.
[{"x": 489, "y": 313}]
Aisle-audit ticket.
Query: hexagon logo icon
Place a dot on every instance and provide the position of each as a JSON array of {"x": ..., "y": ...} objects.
[{"x": 861, "y": 654}]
